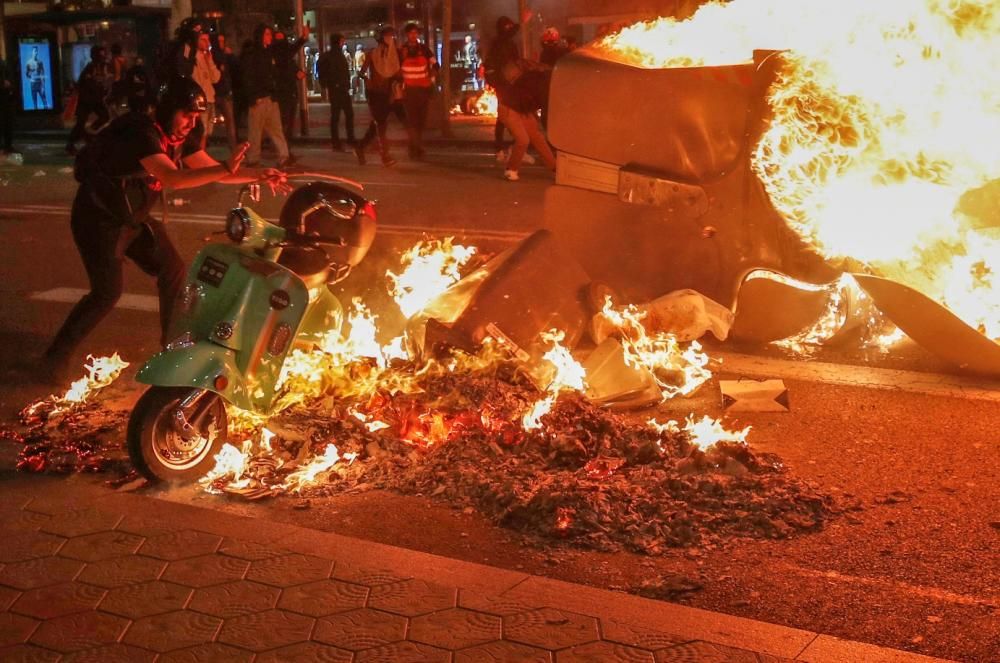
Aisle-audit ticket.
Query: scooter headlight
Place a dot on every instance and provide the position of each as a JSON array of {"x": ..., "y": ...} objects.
[{"x": 237, "y": 226}]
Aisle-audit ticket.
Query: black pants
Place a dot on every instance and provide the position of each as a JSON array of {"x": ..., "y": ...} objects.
[
  {"x": 415, "y": 101},
  {"x": 104, "y": 244},
  {"x": 6, "y": 122},
  {"x": 381, "y": 105},
  {"x": 288, "y": 104},
  {"x": 340, "y": 101}
]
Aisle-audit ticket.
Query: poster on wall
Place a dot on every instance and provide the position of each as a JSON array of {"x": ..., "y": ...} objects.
[{"x": 36, "y": 73}]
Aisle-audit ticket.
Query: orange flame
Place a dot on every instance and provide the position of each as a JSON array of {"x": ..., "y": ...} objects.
[{"x": 880, "y": 118}]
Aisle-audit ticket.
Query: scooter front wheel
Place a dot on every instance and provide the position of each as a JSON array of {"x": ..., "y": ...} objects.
[{"x": 174, "y": 433}]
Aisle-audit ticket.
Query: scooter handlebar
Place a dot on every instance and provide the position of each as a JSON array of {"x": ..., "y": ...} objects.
[{"x": 298, "y": 173}]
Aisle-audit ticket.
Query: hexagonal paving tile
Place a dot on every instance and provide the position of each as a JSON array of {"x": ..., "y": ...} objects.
[
  {"x": 180, "y": 544},
  {"x": 306, "y": 652},
  {"x": 455, "y": 628},
  {"x": 503, "y": 652},
  {"x": 27, "y": 654},
  {"x": 174, "y": 630},
  {"x": 550, "y": 628},
  {"x": 289, "y": 570},
  {"x": 116, "y": 653},
  {"x": 20, "y": 546},
  {"x": 51, "y": 506},
  {"x": 250, "y": 550},
  {"x": 266, "y": 630},
  {"x": 7, "y": 597},
  {"x": 145, "y": 528},
  {"x": 206, "y": 570},
  {"x": 40, "y": 572},
  {"x": 322, "y": 598},
  {"x": 494, "y": 605},
  {"x": 213, "y": 653},
  {"x": 15, "y": 629},
  {"x": 146, "y": 599},
  {"x": 58, "y": 600},
  {"x": 103, "y": 545},
  {"x": 27, "y": 520},
  {"x": 604, "y": 652},
  {"x": 704, "y": 652},
  {"x": 235, "y": 598},
  {"x": 366, "y": 576},
  {"x": 629, "y": 634},
  {"x": 84, "y": 630},
  {"x": 404, "y": 652},
  {"x": 78, "y": 523},
  {"x": 412, "y": 597},
  {"x": 122, "y": 571},
  {"x": 360, "y": 629}
]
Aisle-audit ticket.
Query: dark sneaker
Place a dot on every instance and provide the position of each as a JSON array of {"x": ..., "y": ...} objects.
[
  {"x": 290, "y": 160},
  {"x": 359, "y": 152},
  {"x": 388, "y": 161}
]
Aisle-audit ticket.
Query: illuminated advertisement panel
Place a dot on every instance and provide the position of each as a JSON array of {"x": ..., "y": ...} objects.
[{"x": 36, "y": 73}]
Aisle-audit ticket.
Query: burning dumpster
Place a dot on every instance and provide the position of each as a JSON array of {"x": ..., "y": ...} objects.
[{"x": 691, "y": 158}]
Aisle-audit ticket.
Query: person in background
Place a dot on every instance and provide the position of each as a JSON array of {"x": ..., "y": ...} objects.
[
  {"x": 287, "y": 76},
  {"x": 92, "y": 87},
  {"x": 358, "y": 84},
  {"x": 118, "y": 62},
  {"x": 121, "y": 175},
  {"x": 7, "y": 109},
  {"x": 264, "y": 116},
  {"x": 418, "y": 66},
  {"x": 206, "y": 75},
  {"x": 552, "y": 49},
  {"x": 225, "y": 62},
  {"x": 383, "y": 78},
  {"x": 180, "y": 52},
  {"x": 335, "y": 76},
  {"x": 571, "y": 43},
  {"x": 517, "y": 83}
]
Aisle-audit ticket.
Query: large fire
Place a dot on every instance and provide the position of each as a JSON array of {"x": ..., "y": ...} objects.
[
  {"x": 882, "y": 118},
  {"x": 360, "y": 373}
]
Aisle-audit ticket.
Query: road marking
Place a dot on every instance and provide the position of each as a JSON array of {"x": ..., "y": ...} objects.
[
  {"x": 923, "y": 591},
  {"x": 931, "y": 384},
  {"x": 384, "y": 229},
  {"x": 73, "y": 295}
]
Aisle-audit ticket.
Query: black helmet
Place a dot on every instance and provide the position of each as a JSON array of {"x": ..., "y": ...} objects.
[
  {"x": 336, "y": 221},
  {"x": 181, "y": 94}
]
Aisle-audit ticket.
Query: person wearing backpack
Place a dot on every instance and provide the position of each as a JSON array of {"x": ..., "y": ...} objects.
[
  {"x": 121, "y": 174},
  {"x": 384, "y": 87}
]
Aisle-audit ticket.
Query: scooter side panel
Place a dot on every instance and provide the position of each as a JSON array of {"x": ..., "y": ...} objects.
[
  {"x": 251, "y": 307},
  {"x": 197, "y": 366}
]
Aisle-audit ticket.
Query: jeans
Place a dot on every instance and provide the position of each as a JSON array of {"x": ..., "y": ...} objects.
[
  {"x": 524, "y": 127},
  {"x": 104, "y": 244},
  {"x": 264, "y": 118},
  {"x": 340, "y": 101},
  {"x": 415, "y": 101},
  {"x": 381, "y": 105}
]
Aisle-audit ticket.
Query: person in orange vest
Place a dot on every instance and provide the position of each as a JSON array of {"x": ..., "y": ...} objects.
[{"x": 418, "y": 66}]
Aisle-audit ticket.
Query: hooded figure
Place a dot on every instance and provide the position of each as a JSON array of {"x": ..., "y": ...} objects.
[{"x": 263, "y": 115}]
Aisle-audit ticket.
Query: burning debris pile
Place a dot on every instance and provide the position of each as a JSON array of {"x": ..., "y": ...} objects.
[
  {"x": 71, "y": 433},
  {"x": 586, "y": 474},
  {"x": 511, "y": 430}
]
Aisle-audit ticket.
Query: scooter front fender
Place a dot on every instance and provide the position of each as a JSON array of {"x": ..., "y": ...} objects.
[{"x": 197, "y": 366}]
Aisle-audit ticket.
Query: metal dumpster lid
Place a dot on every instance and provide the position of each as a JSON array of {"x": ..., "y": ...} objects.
[{"x": 933, "y": 326}]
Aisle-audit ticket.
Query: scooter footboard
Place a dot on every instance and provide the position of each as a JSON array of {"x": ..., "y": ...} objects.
[{"x": 202, "y": 365}]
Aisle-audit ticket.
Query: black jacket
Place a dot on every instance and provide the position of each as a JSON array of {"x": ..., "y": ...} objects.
[
  {"x": 334, "y": 71},
  {"x": 257, "y": 67}
]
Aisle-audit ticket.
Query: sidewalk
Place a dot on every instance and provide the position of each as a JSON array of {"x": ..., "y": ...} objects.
[
  {"x": 88, "y": 574},
  {"x": 466, "y": 130}
]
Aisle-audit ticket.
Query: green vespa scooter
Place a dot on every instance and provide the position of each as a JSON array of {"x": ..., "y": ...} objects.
[{"x": 247, "y": 303}]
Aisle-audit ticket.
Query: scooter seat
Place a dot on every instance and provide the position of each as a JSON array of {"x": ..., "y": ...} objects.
[{"x": 311, "y": 264}]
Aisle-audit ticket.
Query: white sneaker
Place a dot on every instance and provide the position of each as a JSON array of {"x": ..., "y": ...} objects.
[
  {"x": 501, "y": 155},
  {"x": 528, "y": 159},
  {"x": 511, "y": 175}
]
